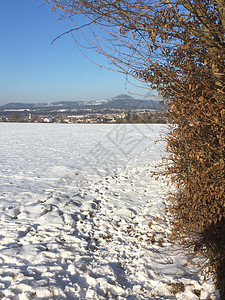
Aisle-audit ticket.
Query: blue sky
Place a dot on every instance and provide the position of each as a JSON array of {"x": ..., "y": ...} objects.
[{"x": 33, "y": 70}]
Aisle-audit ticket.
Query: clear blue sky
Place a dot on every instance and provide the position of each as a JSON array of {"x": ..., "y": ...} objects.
[{"x": 33, "y": 70}]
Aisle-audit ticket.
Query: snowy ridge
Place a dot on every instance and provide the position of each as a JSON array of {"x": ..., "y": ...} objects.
[{"x": 94, "y": 236}]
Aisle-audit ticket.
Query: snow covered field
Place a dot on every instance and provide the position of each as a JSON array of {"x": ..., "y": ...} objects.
[{"x": 82, "y": 218}]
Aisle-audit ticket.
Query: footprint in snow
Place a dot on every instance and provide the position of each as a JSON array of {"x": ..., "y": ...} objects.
[{"x": 13, "y": 213}]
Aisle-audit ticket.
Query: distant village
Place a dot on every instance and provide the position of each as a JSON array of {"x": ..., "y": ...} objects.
[
  {"x": 91, "y": 117},
  {"x": 121, "y": 109}
]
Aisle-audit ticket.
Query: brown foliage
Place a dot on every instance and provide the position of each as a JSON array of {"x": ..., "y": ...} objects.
[
  {"x": 198, "y": 169},
  {"x": 177, "y": 287}
]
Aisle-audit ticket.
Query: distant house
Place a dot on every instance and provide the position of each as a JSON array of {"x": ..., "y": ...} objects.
[{"x": 47, "y": 120}]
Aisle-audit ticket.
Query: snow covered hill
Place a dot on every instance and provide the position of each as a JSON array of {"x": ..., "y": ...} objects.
[{"x": 81, "y": 217}]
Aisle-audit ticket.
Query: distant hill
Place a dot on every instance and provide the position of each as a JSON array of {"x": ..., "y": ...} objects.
[
  {"x": 128, "y": 102},
  {"x": 72, "y": 104},
  {"x": 119, "y": 102},
  {"x": 13, "y": 105}
]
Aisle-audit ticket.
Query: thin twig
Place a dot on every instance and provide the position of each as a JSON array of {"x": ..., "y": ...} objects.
[{"x": 73, "y": 29}]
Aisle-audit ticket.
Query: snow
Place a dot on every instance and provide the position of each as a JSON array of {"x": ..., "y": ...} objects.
[{"x": 81, "y": 216}]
